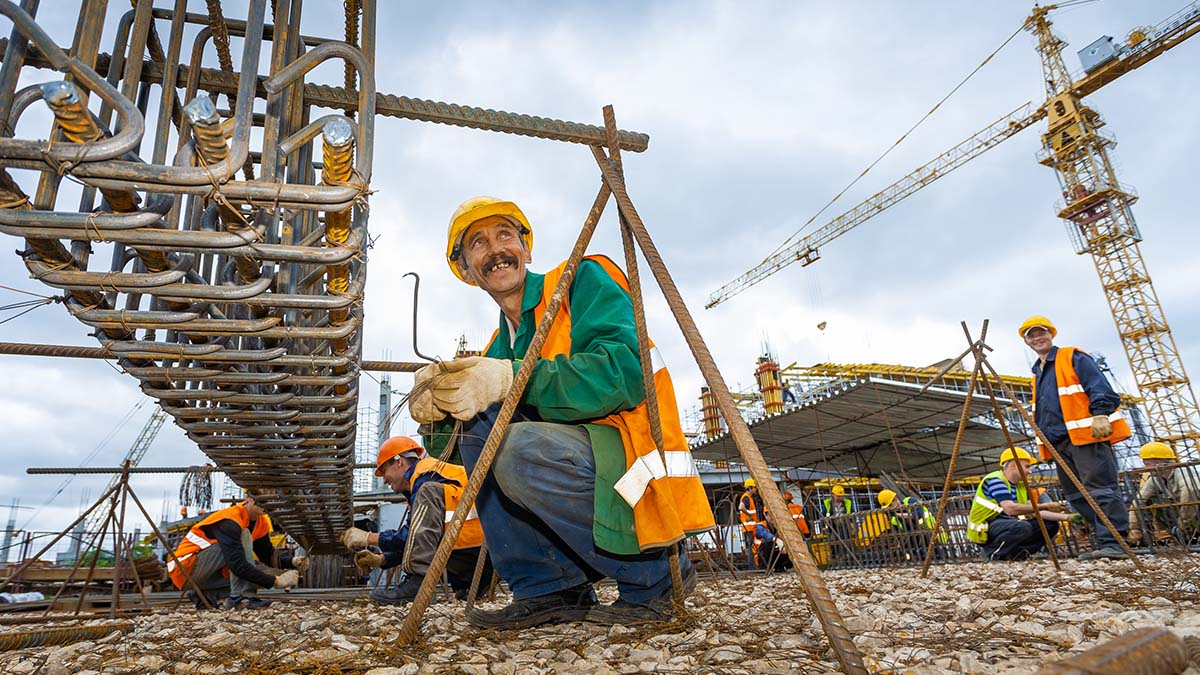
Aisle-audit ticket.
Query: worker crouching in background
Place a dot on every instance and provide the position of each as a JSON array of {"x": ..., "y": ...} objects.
[
  {"x": 1167, "y": 496},
  {"x": 433, "y": 489},
  {"x": 219, "y": 553},
  {"x": 750, "y": 513},
  {"x": 579, "y": 490},
  {"x": 1001, "y": 520}
]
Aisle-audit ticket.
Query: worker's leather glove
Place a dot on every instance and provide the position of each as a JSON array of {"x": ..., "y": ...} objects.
[
  {"x": 420, "y": 401},
  {"x": 301, "y": 563},
  {"x": 353, "y": 538},
  {"x": 468, "y": 386},
  {"x": 366, "y": 561},
  {"x": 1056, "y": 507},
  {"x": 288, "y": 579},
  {"x": 1101, "y": 427}
]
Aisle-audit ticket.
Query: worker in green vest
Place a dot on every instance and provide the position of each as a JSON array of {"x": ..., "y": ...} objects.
[
  {"x": 1002, "y": 518},
  {"x": 838, "y": 527}
]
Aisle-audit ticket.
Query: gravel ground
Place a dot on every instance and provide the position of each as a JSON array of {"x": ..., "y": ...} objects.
[{"x": 999, "y": 618}]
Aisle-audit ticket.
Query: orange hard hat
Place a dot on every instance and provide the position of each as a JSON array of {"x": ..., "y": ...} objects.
[{"x": 393, "y": 448}]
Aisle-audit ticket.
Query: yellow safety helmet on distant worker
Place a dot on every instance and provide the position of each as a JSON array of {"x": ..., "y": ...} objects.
[
  {"x": 1015, "y": 453},
  {"x": 393, "y": 448},
  {"x": 749, "y": 483},
  {"x": 886, "y": 497},
  {"x": 839, "y": 490},
  {"x": 474, "y": 210},
  {"x": 1037, "y": 321},
  {"x": 1157, "y": 450}
]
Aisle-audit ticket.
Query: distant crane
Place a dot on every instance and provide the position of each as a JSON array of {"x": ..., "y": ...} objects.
[
  {"x": 1095, "y": 207},
  {"x": 136, "y": 452}
]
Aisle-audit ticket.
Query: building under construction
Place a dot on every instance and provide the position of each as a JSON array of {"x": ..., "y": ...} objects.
[{"x": 217, "y": 249}]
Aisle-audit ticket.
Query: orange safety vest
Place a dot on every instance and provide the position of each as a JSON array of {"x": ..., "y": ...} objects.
[
  {"x": 1075, "y": 404},
  {"x": 471, "y": 535},
  {"x": 749, "y": 520},
  {"x": 668, "y": 498},
  {"x": 798, "y": 516},
  {"x": 196, "y": 540}
]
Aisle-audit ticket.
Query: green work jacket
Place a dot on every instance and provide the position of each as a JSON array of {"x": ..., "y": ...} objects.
[{"x": 602, "y": 376}]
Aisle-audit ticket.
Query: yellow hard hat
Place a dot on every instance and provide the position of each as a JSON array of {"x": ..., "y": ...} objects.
[
  {"x": 1015, "y": 453},
  {"x": 472, "y": 211},
  {"x": 749, "y": 483},
  {"x": 1157, "y": 450},
  {"x": 886, "y": 497},
  {"x": 1036, "y": 321},
  {"x": 839, "y": 490}
]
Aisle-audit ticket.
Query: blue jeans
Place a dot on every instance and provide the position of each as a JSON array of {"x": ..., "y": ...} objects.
[
  {"x": 1096, "y": 466},
  {"x": 1015, "y": 539},
  {"x": 537, "y": 506}
]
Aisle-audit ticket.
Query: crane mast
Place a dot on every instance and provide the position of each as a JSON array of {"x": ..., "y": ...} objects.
[
  {"x": 136, "y": 452},
  {"x": 1096, "y": 210}
]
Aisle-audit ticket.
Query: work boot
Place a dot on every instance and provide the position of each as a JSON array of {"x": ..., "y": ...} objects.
[
  {"x": 400, "y": 594},
  {"x": 1104, "y": 553},
  {"x": 656, "y": 610},
  {"x": 572, "y": 604}
]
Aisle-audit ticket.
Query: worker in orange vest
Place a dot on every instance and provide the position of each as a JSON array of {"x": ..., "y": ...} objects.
[
  {"x": 219, "y": 553},
  {"x": 751, "y": 515},
  {"x": 797, "y": 513},
  {"x": 581, "y": 488},
  {"x": 1079, "y": 413},
  {"x": 433, "y": 489}
]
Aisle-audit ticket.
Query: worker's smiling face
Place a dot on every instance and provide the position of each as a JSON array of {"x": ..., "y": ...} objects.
[
  {"x": 1039, "y": 340},
  {"x": 393, "y": 474},
  {"x": 494, "y": 256}
]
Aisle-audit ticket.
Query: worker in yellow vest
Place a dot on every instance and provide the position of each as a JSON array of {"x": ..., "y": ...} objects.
[
  {"x": 433, "y": 489},
  {"x": 219, "y": 552},
  {"x": 579, "y": 489},
  {"x": 1079, "y": 413},
  {"x": 751, "y": 515}
]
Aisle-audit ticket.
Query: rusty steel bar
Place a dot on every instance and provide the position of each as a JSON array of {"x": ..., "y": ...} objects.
[
  {"x": 643, "y": 337},
  {"x": 1153, "y": 650},
  {"x": 958, "y": 436},
  {"x": 412, "y": 622},
  {"x": 61, "y": 636},
  {"x": 814, "y": 586}
]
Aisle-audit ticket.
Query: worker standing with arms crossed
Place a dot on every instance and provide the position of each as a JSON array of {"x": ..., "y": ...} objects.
[
  {"x": 1080, "y": 414},
  {"x": 578, "y": 491}
]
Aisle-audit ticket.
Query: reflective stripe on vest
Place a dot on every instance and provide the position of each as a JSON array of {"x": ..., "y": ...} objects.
[
  {"x": 1076, "y": 406},
  {"x": 667, "y": 496},
  {"x": 471, "y": 515},
  {"x": 985, "y": 502}
]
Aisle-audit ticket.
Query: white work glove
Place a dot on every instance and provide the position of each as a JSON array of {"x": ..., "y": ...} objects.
[
  {"x": 366, "y": 561},
  {"x": 301, "y": 563},
  {"x": 468, "y": 386},
  {"x": 1101, "y": 427},
  {"x": 288, "y": 579},
  {"x": 420, "y": 404},
  {"x": 353, "y": 537}
]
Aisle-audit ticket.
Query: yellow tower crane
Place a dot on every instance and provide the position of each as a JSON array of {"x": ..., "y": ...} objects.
[{"x": 1095, "y": 207}]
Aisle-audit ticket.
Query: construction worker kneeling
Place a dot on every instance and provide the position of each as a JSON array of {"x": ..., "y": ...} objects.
[
  {"x": 579, "y": 489},
  {"x": 433, "y": 489},
  {"x": 1002, "y": 519},
  {"x": 218, "y": 555}
]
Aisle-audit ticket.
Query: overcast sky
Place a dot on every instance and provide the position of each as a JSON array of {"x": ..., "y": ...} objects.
[{"x": 758, "y": 113}]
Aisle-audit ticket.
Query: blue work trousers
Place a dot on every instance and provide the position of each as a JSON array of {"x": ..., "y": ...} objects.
[
  {"x": 1096, "y": 466},
  {"x": 537, "y": 506}
]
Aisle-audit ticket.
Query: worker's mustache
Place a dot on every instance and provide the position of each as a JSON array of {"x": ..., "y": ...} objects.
[{"x": 500, "y": 260}]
